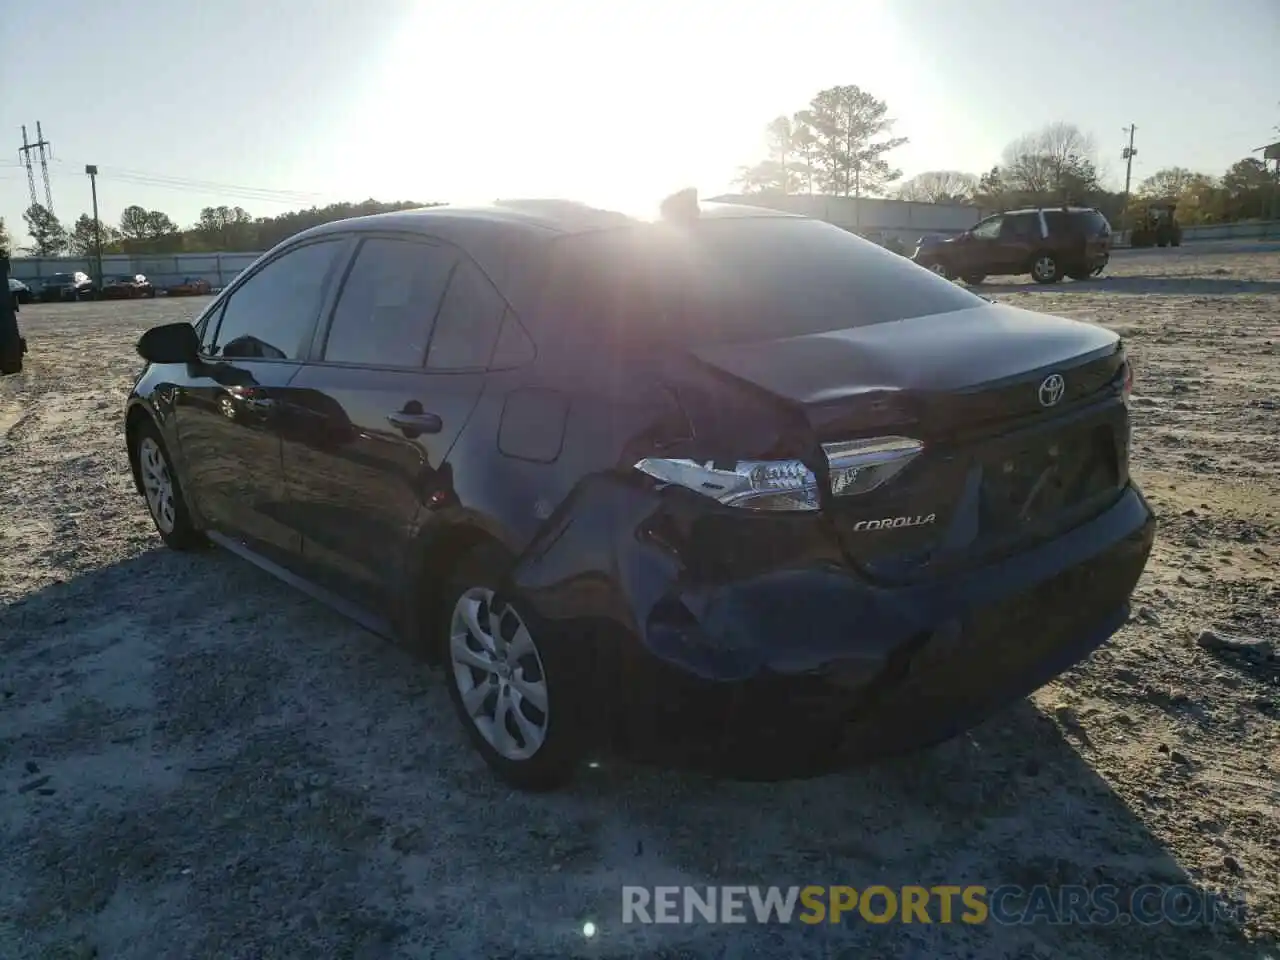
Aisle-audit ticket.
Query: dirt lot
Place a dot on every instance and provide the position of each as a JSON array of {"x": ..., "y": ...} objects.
[{"x": 198, "y": 762}]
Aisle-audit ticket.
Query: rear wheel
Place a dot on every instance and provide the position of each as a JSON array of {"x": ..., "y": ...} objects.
[
  {"x": 511, "y": 682},
  {"x": 973, "y": 279},
  {"x": 942, "y": 270},
  {"x": 165, "y": 501},
  {"x": 1045, "y": 268}
]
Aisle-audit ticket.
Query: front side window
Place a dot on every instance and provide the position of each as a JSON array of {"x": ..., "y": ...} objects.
[
  {"x": 272, "y": 315},
  {"x": 988, "y": 229},
  {"x": 388, "y": 303}
]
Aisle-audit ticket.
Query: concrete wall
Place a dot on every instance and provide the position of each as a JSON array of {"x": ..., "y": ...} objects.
[
  {"x": 907, "y": 221},
  {"x": 162, "y": 270}
]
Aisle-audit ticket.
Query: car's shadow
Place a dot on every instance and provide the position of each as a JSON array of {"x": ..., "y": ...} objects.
[
  {"x": 1139, "y": 286},
  {"x": 226, "y": 753}
]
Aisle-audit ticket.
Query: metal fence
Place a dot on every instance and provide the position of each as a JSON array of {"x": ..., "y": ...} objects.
[
  {"x": 161, "y": 269},
  {"x": 1245, "y": 230}
]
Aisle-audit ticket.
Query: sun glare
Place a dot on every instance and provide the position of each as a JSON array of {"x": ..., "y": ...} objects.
[{"x": 618, "y": 106}]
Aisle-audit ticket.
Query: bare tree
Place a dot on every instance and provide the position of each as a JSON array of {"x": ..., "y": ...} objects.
[
  {"x": 1056, "y": 160},
  {"x": 939, "y": 186},
  {"x": 805, "y": 146},
  {"x": 779, "y": 172}
]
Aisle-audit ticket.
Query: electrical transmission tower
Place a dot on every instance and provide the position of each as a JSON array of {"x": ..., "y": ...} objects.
[{"x": 39, "y": 147}]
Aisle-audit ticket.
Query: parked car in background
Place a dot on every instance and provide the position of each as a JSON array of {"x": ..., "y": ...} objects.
[
  {"x": 20, "y": 292},
  {"x": 189, "y": 287},
  {"x": 1046, "y": 243},
  {"x": 732, "y": 481},
  {"x": 67, "y": 286},
  {"x": 127, "y": 286}
]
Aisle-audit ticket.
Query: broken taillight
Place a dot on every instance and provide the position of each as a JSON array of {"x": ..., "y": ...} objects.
[{"x": 854, "y": 467}]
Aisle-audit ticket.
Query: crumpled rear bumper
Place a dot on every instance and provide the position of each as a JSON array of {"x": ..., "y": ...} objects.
[{"x": 811, "y": 661}]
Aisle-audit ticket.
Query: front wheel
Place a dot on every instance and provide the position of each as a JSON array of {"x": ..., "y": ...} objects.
[
  {"x": 165, "y": 500},
  {"x": 973, "y": 279},
  {"x": 513, "y": 686},
  {"x": 942, "y": 270},
  {"x": 1045, "y": 268}
]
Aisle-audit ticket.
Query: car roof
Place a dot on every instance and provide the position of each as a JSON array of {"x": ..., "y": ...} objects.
[
  {"x": 509, "y": 238},
  {"x": 533, "y": 216},
  {"x": 1052, "y": 210}
]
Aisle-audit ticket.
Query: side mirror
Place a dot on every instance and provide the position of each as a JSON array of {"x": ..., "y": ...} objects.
[{"x": 170, "y": 343}]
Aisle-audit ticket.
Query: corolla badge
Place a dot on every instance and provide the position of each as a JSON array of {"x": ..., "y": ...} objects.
[
  {"x": 895, "y": 523},
  {"x": 1051, "y": 390}
]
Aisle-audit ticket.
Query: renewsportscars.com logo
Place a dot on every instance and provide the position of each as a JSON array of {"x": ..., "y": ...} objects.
[{"x": 1181, "y": 905}]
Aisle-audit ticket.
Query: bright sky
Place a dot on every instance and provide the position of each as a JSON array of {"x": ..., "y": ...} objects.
[{"x": 613, "y": 100}]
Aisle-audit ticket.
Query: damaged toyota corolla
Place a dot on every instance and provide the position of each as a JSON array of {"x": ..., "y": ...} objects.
[{"x": 726, "y": 485}]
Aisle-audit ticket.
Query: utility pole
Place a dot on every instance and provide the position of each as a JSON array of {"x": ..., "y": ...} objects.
[
  {"x": 27, "y": 150},
  {"x": 25, "y": 154},
  {"x": 41, "y": 142},
  {"x": 92, "y": 170},
  {"x": 1127, "y": 155}
]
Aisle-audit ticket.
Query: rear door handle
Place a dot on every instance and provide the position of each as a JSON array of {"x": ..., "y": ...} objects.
[{"x": 414, "y": 422}]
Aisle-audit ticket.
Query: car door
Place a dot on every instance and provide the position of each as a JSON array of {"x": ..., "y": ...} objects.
[
  {"x": 396, "y": 374},
  {"x": 227, "y": 415},
  {"x": 1020, "y": 237},
  {"x": 977, "y": 253}
]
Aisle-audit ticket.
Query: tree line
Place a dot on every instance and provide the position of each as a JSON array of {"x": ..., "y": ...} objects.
[
  {"x": 838, "y": 146},
  {"x": 143, "y": 231}
]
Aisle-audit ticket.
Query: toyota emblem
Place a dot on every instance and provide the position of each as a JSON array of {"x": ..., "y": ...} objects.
[{"x": 1052, "y": 389}]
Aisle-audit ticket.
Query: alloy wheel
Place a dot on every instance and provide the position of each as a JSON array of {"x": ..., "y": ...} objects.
[
  {"x": 1045, "y": 268},
  {"x": 157, "y": 484},
  {"x": 499, "y": 674}
]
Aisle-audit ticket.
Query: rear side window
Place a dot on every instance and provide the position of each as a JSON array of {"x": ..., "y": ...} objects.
[
  {"x": 1094, "y": 223},
  {"x": 731, "y": 280},
  {"x": 272, "y": 315},
  {"x": 388, "y": 303},
  {"x": 469, "y": 321}
]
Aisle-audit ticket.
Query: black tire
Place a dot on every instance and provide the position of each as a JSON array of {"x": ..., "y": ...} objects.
[
  {"x": 973, "y": 279},
  {"x": 941, "y": 269},
  {"x": 180, "y": 533},
  {"x": 564, "y": 723},
  {"x": 1045, "y": 268}
]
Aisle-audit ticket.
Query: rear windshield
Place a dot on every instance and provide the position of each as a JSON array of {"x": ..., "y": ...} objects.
[{"x": 732, "y": 280}]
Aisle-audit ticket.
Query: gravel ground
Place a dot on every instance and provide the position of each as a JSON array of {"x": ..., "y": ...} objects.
[{"x": 196, "y": 761}]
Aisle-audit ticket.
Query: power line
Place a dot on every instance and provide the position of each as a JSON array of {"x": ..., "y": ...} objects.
[
  {"x": 243, "y": 193},
  {"x": 208, "y": 187}
]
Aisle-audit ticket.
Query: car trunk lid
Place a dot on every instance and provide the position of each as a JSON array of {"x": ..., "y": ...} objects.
[{"x": 1023, "y": 431}]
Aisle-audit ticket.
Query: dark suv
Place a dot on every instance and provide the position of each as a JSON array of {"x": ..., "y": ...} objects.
[
  {"x": 67, "y": 286},
  {"x": 730, "y": 482},
  {"x": 1045, "y": 243}
]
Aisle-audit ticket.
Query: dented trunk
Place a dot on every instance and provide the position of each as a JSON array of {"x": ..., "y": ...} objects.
[{"x": 1007, "y": 461}]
